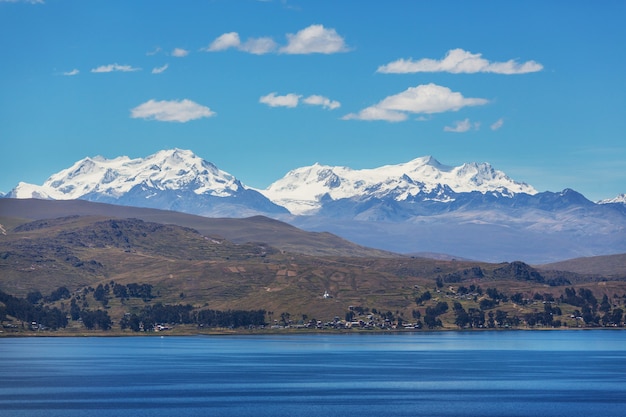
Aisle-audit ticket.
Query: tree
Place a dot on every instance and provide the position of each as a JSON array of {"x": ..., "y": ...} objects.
[
  {"x": 34, "y": 297},
  {"x": 518, "y": 298},
  {"x": 96, "y": 319},
  {"x": 493, "y": 293},
  {"x": 349, "y": 315},
  {"x": 58, "y": 294},
  {"x": 501, "y": 318},
  {"x": 120, "y": 291},
  {"x": 432, "y": 321},
  {"x": 424, "y": 297},
  {"x": 477, "y": 317},
  {"x": 605, "y": 306},
  {"x": 616, "y": 316},
  {"x": 462, "y": 318},
  {"x": 74, "y": 310},
  {"x": 437, "y": 310},
  {"x": 130, "y": 321},
  {"x": 100, "y": 294}
]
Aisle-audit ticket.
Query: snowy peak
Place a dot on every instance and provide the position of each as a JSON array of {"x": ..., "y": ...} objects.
[
  {"x": 303, "y": 190},
  {"x": 422, "y": 162},
  {"x": 178, "y": 179},
  {"x": 26, "y": 190},
  {"x": 173, "y": 169},
  {"x": 620, "y": 199},
  {"x": 484, "y": 178}
]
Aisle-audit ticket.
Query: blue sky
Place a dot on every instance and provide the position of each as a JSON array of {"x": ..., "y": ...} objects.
[{"x": 536, "y": 88}]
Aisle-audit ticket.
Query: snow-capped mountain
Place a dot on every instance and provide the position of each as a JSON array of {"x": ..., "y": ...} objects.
[
  {"x": 165, "y": 170},
  {"x": 472, "y": 211},
  {"x": 620, "y": 199},
  {"x": 173, "y": 179},
  {"x": 306, "y": 190}
]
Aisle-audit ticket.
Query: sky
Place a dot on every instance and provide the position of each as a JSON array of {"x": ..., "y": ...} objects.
[{"x": 535, "y": 88}]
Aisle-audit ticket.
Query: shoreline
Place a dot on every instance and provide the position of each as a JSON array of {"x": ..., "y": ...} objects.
[{"x": 262, "y": 332}]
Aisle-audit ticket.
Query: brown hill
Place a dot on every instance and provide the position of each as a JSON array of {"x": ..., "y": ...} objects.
[
  {"x": 613, "y": 266},
  {"x": 254, "y": 229},
  {"x": 93, "y": 255}
]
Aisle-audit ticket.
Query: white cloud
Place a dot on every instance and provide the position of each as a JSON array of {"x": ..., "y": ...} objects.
[
  {"x": 71, "y": 73},
  {"x": 462, "y": 126},
  {"x": 292, "y": 100},
  {"x": 377, "y": 113},
  {"x": 159, "y": 70},
  {"x": 423, "y": 99},
  {"x": 155, "y": 51},
  {"x": 459, "y": 61},
  {"x": 223, "y": 42},
  {"x": 171, "y": 111},
  {"x": 180, "y": 52},
  {"x": 23, "y": 1},
  {"x": 115, "y": 68},
  {"x": 288, "y": 100},
  {"x": 497, "y": 124},
  {"x": 314, "y": 39},
  {"x": 325, "y": 102},
  {"x": 258, "y": 46}
]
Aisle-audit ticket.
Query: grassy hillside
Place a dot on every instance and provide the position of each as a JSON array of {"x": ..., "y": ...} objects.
[
  {"x": 130, "y": 268},
  {"x": 613, "y": 266},
  {"x": 254, "y": 229}
]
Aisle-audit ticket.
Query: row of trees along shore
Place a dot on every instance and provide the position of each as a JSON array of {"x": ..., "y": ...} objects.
[{"x": 472, "y": 308}]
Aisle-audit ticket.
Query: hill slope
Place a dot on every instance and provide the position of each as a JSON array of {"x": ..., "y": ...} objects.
[
  {"x": 254, "y": 229},
  {"x": 608, "y": 266},
  {"x": 131, "y": 266}
]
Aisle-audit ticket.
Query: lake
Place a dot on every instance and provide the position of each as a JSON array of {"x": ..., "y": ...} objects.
[{"x": 490, "y": 373}]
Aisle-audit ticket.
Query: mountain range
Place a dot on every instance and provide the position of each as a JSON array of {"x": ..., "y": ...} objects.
[{"x": 472, "y": 211}]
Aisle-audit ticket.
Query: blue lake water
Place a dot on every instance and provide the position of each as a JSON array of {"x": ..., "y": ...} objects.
[{"x": 516, "y": 373}]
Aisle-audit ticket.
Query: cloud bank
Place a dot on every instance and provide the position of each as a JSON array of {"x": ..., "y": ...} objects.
[
  {"x": 154, "y": 51},
  {"x": 311, "y": 40},
  {"x": 497, "y": 124},
  {"x": 273, "y": 100},
  {"x": 257, "y": 46},
  {"x": 180, "y": 52},
  {"x": 423, "y": 99},
  {"x": 292, "y": 100},
  {"x": 23, "y": 1},
  {"x": 458, "y": 61},
  {"x": 160, "y": 70},
  {"x": 223, "y": 42},
  {"x": 115, "y": 68},
  {"x": 171, "y": 111},
  {"x": 325, "y": 102},
  {"x": 314, "y": 39},
  {"x": 462, "y": 126}
]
